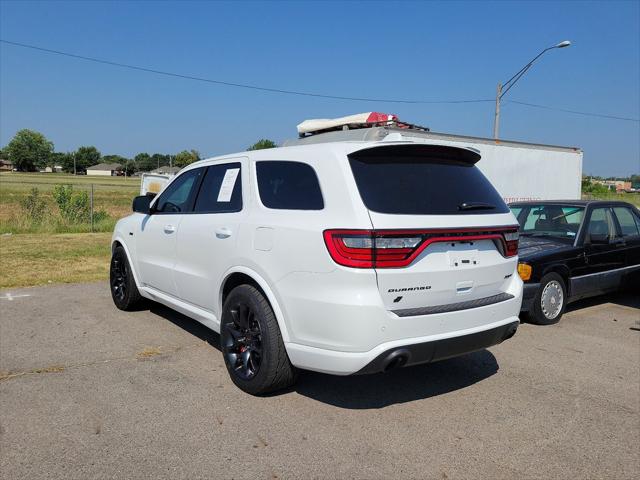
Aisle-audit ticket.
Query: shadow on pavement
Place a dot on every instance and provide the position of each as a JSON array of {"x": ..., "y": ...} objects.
[
  {"x": 190, "y": 325},
  {"x": 369, "y": 391},
  {"x": 398, "y": 386},
  {"x": 626, "y": 299}
]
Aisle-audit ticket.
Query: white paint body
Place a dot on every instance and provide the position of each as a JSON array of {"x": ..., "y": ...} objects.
[
  {"x": 100, "y": 173},
  {"x": 332, "y": 318}
]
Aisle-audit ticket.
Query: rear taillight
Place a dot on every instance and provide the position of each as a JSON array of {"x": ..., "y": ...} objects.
[
  {"x": 398, "y": 248},
  {"x": 511, "y": 243}
]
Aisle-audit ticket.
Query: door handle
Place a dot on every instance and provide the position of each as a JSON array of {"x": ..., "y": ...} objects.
[
  {"x": 223, "y": 232},
  {"x": 169, "y": 229}
]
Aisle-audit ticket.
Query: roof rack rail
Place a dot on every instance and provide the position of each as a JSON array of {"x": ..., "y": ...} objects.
[{"x": 353, "y": 122}]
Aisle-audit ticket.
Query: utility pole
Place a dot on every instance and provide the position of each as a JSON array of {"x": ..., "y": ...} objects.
[
  {"x": 504, "y": 88},
  {"x": 496, "y": 118}
]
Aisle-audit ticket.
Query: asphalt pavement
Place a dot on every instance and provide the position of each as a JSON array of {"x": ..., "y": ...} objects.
[{"x": 88, "y": 391}]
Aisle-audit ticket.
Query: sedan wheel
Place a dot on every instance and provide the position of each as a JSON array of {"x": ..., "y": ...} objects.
[{"x": 550, "y": 300}]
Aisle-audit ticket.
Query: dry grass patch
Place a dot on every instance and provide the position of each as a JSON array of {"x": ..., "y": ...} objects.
[
  {"x": 33, "y": 259},
  {"x": 148, "y": 352},
  {"x": 51, "y": 369}
]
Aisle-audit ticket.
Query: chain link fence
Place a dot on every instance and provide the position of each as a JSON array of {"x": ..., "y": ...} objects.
[{"x": 56, "y": 203}]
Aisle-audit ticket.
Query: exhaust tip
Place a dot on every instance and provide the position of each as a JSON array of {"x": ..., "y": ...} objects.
[{"x": 396, "y": 359}]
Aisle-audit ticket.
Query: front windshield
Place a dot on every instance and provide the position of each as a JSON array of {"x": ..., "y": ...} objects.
[{"x": 549, "y": 220}]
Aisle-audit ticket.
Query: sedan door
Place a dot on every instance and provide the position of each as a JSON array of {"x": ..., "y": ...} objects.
[
  {"x": 156, "y": 238},
  {"x": 629, "y": 240},
  {"x": 603, "y": 256},
  {"x": 208, "y": 238}
]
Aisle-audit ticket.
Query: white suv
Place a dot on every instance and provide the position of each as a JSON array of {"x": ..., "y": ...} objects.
[{"x": 344, "y": 258}]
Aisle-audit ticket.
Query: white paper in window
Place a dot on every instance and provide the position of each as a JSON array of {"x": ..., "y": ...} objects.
[{"x": 228, "y": 182}]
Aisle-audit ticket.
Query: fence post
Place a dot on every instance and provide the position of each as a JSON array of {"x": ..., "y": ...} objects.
[{"x": 91, "y": 203}]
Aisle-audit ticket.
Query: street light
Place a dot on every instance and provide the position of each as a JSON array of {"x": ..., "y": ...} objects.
[{"x": 503, "y": 89}]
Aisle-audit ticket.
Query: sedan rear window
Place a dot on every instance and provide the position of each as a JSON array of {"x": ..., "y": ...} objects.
[{"x": 423, "y": 185}]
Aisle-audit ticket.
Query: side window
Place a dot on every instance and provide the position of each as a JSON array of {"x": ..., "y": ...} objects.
[
  {"x": 626, "y": 221},
  {"x": 601, "y": 223},
  {"x": 289, "y": 186},
  {"x": 221, "y": 190},
  {"x": 178, "y": 196}
]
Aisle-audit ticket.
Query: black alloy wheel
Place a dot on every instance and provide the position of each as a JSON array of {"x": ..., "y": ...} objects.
[
  {"x": 118, "y": 278},
  {"x": 124, "y": 291},
  {"x": 243, "y": 342},
  {"x": 251, "y": 343}
]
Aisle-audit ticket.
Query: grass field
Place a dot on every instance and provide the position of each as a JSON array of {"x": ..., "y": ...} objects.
[
  {"x": 112, "y": 195},
  {"x": 633, "y": 198},
  {"x": 56, "y": 252},
  {"x": 37, "y": 259}
]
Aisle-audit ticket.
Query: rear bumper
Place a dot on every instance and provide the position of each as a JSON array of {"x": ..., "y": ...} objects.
[
  {"x": 436, "y": 350},
  {"x": 417, "y": 350},
  {"x": 529, "y": 291}
]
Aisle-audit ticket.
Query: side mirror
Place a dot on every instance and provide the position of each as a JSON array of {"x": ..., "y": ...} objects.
[
  {"x": 598, "y": 238},
  {"x": 142, "y": 204}
]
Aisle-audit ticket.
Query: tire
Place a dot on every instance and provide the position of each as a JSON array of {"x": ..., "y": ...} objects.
[
  {"x": 252, "y": 345},
  {"x": 124, "y": 291},
  {"x": 550, "y": 300}
]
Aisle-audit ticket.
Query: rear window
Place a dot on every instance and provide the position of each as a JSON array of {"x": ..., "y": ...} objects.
[
  {"x": 289, "y": 186},
  {"x": 418, "y": 185}
]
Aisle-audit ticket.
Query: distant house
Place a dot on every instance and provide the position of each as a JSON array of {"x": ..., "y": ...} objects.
[
  {"x": 54, "y": 169},
  {"x": 105, "y": 169},
  {"x": 166, "y": 170},
  {"x": 6, "y": 165}
]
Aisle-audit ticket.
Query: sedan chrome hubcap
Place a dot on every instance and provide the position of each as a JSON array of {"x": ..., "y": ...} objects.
[{"x": 552, "y": 299}]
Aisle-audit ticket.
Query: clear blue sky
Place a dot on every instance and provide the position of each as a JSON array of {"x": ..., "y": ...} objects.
[{"x": 430, "y": 51}]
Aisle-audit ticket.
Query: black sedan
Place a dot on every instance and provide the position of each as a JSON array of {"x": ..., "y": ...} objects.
[{"x": 574, "y": 249}]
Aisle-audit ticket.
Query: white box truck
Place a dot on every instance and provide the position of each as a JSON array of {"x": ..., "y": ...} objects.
[{"x": 519, "y": 170}]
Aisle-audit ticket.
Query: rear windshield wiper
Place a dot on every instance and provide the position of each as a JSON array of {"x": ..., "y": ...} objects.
[{"x": 476, "y": 206}]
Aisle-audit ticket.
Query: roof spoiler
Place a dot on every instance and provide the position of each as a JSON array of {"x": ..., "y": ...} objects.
[{"x": 469, "y": 156}]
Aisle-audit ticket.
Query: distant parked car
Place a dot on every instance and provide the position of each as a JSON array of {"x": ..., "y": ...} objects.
[{"x": 574, "y": 249}]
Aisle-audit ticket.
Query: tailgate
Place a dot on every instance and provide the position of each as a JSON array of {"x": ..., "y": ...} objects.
[
  {"x": 442, "y": 234},
  {"x": 451, "y": 265}
]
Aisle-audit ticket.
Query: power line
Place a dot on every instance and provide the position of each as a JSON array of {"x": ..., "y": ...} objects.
[
  {"x": 588, "y": 114},
  {"x": 232, "y": 84},
  {"x": 299, "y": 93}
]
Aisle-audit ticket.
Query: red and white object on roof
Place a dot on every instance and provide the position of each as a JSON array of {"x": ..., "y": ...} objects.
[{"x": 359, "y": 120}]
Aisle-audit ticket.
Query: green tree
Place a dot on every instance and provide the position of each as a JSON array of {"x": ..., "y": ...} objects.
[
  {"x": 160, "y": 160},
  {"x": 86, "y": 157},
  {"x": 262, "y": 144},
  {"x": 186, "y": 157},
  {"x": 29, "y": 150},
  {"x": 65, "y": 160},
  {"x": 114, "y": 159},
  {"x": 143, "y": 162}
]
